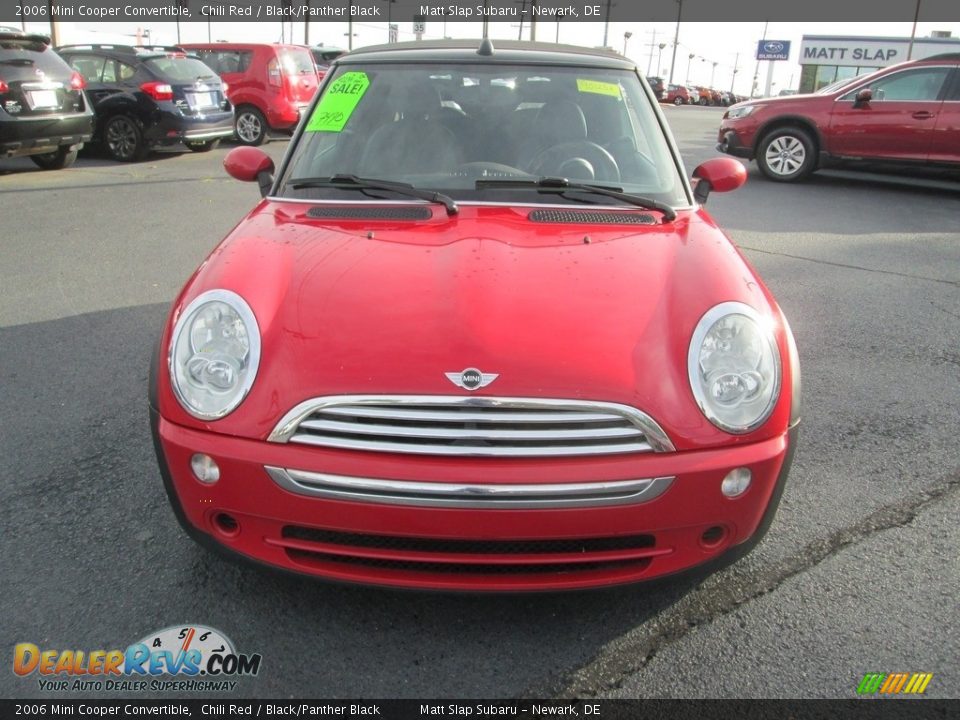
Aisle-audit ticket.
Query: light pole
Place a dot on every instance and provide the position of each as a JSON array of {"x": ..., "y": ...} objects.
[
  {"x": 712, "y": 73},
  {"x": 736, "y": 64},
  {"x": 660, "y": 48},
  {"x": 676, "y": 39},
  {"x": 306, "y": 23},
  {"x": 389, "y": 17},
  {"x": 913, "y": 33},
  {"x": 651, "y": 45},
  {"x": 689, "y": 60},
  {"x": 606, "y": 23},
  {"x": 756, "y": 72},
  {"x": 626, "y": 36}
]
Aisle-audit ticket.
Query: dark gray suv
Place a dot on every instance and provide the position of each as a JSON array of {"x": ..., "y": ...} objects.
[{"x": 44, "y": 113}]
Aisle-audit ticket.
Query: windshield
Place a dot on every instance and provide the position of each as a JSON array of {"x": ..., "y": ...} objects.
[
  {"x": 837, "y": 85},
  {"x": 445, "y": 127},
  {"x": 827, "y": 89}
]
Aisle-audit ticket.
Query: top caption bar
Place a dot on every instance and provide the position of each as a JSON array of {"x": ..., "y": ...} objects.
[{"x": 12, "y": 12}]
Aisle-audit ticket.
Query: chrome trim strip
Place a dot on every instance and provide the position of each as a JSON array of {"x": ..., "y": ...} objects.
[
  {"x": 541, "y": 451},
  {"x": 55, "y": 116},
  {"x": 656, "y": 438},
  {"x": 462, "y": 495},
  {"x": 427, "y": 432},
  {"x": 188, "y": 135},
  {"x": 487, "y": 416}
]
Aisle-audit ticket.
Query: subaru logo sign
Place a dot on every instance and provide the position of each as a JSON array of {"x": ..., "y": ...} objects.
[{"x": 773, "y": 50}]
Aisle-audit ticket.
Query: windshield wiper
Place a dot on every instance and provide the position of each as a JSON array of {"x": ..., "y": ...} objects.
[
  {"x": 562, "y": 186},
  {"x": 352, "y": 182}
]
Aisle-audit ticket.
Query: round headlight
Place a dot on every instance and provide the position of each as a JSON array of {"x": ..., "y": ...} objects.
[
  {"x": 734, "y": 367},
  {"x": 214, "y": 354}
]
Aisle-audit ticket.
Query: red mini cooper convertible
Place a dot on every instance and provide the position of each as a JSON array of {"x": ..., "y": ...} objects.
[{"x": 479, "y": 334}]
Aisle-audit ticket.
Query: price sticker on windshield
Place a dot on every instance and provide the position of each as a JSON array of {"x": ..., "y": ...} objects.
[
  {"x": 599, "y": 87},
  {"x": 338, "y": 103}
]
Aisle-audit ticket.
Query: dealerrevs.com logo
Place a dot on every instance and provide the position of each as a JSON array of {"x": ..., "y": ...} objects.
[{"x": 180, "y": 658}]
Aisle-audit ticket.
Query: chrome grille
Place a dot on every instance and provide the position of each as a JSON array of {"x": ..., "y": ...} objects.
[{"x": 471, "y": 426}]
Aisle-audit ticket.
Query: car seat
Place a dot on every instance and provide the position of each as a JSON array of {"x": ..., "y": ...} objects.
[
  {"x": 415, "y": 144},
  {"x": 557, "y": 122}
]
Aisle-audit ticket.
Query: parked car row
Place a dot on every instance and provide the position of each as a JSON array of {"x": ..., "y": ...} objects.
[
  {"x": 132, "y": 99},
  {"x": 695, "y": 95}
]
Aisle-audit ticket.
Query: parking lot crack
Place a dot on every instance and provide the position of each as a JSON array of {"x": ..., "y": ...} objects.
[
  {"x": 954, "y": 283},
  {"x": 632, "y": 652}
]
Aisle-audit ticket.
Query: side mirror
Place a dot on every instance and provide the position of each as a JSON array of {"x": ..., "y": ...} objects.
[
  {"x": 248, "y": 164},
  {"x": 720, "y": 174},
  {"x": 863, "y": 97}
]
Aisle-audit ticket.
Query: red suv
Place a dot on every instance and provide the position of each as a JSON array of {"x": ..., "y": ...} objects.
[
  {"x": 677, "y": 95},
  {"x": 904, "y": 114},
  {"x": 270, "y": 84}
]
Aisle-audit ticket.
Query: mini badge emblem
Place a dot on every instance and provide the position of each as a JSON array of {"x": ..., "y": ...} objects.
[{"x": 471, "y": 378}]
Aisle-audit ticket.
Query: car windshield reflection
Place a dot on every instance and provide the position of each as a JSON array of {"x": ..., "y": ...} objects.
[{"x": 444, "y": 130}]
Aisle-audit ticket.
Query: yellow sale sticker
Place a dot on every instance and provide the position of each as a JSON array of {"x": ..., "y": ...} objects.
[
  {"x": 338, "y": 102},
  {"x": 599, "y": 87}
]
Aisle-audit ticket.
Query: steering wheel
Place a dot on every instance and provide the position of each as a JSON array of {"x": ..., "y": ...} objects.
[
  {"x": 635, "y": 166},
  {"x": 549, "y": 161}
]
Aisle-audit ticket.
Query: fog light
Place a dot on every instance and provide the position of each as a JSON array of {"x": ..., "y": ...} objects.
[
  {"x": 736, "y": 482},
  {"x": 227, "y": 525},
  {"x": 205, "y": 468}
]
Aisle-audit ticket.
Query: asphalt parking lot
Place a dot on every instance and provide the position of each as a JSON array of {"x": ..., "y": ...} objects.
[{"x": 859, "y": 573}]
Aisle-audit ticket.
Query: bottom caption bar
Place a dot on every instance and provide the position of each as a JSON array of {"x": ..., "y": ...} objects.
[{"x": 859, "y": 709}]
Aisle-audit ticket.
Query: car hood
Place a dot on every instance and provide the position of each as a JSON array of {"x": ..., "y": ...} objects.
[
  {"x": 557, "y": 310},
  {"x": 782, "y": 102}
]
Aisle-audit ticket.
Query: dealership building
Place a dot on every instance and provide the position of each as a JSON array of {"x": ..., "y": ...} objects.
[{"x": 827, "y": 58}]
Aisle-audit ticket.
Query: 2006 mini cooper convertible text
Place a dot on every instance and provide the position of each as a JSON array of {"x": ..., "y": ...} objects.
[{"x": 480, "y": 334}]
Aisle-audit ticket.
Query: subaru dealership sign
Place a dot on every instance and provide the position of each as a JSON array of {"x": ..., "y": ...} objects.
[{"x": 773, "y": 50}]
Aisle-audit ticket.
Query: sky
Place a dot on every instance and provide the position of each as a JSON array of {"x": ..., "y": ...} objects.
[{"x": 729, "y": 45}]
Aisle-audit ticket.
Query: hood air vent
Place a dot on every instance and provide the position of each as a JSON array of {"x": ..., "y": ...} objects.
[
  {"x": 591, "y": 217},
  {"x": 369, "y": 213}
]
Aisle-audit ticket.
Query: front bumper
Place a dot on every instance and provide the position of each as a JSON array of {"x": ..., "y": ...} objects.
[
  {"x": 732, "y": 143},
  {"x": 689, "y": 524}
]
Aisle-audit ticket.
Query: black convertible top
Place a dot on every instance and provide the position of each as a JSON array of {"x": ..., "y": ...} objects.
[{"x": 509, "y": 52}]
